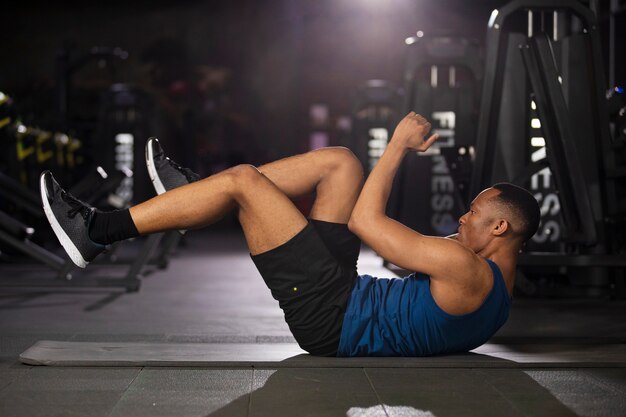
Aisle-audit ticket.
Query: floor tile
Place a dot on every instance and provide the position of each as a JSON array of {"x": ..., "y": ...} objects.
[
  {"x": 524, "y": 393},
  {"x": 8, "y": 376},
  {"x": 310, "y": 392},
  {"x": 185, "y": 392},
  {"x": 67, "y": 386},
  {"x": 463, "y": 392},
  {"x": 48, "y": 410},
  {"x": 597, "y": 392}
]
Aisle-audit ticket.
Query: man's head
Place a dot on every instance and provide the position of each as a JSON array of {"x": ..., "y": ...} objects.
[{"x": 502, "y": 211}]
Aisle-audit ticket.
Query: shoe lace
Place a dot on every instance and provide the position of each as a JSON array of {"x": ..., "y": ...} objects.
[
  {"x": 189, "y": 174},
  {"x": 78, "y": 207}
]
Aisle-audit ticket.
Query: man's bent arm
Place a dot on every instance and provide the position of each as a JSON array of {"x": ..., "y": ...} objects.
[
  {"x": 372, "y": 201},
  {"x": 390, "y": 239},
  {"x": 375, "y": 194}
]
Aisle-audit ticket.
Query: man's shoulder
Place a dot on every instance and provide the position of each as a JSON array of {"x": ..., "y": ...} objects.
[
  {"x": 465, "y": 290},
  {"x": 456, "y": 262}
]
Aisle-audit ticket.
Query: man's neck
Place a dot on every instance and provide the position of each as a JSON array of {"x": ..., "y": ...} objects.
[{"x": 504, "y": 254}]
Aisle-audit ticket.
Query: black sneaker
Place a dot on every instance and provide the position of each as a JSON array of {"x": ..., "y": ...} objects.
[
  {"x": 165, "y": 173},
  {"x": 61, "y": 209}
]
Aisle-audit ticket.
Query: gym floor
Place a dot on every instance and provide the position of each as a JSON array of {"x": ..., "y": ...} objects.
[{"x": 211, "y": 293}]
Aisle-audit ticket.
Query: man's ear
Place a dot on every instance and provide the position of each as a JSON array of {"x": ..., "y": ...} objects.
[{"x": 500, "y": 227}]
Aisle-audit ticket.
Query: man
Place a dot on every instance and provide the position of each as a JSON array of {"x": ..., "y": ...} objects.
[{"x": 456, "y": 302}]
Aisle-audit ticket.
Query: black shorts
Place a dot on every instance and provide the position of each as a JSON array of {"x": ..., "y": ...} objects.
[{"x": 312, "y": 276}]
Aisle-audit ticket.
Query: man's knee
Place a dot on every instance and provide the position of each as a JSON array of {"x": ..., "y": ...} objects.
[
  {"x": 243, "y": 174},
  {"x": 343, "y": 159}
]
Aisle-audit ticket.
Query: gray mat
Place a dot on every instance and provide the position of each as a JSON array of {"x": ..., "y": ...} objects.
[{"x": 288, "y": 355}]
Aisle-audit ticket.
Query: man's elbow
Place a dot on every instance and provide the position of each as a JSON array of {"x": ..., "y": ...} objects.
[
  {"x": 363, "y": 224},
  {"x": 353, "y": 224},
  {"x": 358, "y": 222}
]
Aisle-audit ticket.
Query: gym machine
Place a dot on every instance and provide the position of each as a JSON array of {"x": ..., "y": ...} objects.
[
  {"x": 374, "y": 116},
  {"x": 18, "y": 238},
  {"x": 544, "y": 125},
  {"x": 123, "y": 114},
  {"x": 21, "y": 215},
  {"x": 68, "y": 63},
  {"x": 126, "y": 120},
  {"x": 30, "y": 150},
  {"x": 441, "y": 81}
]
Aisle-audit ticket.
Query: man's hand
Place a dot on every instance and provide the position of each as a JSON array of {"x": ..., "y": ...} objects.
[{"x": 411, "y": 131}]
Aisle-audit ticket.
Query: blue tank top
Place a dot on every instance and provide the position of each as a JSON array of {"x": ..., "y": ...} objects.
[{"x": 399, "y": 317}]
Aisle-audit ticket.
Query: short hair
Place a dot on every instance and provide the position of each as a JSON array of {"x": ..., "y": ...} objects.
[{"x": 522, "y": 205}]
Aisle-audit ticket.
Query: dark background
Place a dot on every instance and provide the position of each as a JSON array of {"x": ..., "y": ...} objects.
[{"x": 258, "y": 64}]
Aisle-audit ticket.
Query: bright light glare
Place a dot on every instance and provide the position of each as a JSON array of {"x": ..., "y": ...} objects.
[
  {"x": 410, "y": 40},
  {"x": 61, "y": 138},
  {"x": 102, "y": 172},
  {"x": 124, "y": 138},
  {"x": 538, "y": 155},
  {"x": 385, "y": 409},
  {"x": 535, "y": 123},
  {"x": 420, "y": 33},
  {"x": 537, "y": 141},
  {"x": 492, "y": 18}
]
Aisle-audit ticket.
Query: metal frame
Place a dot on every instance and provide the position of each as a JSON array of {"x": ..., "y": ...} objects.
[
  {"x": 372, "y": 94},
  {"x": 131, "y": 280},
  {"x": 560, "y": 137},
  {"x": 419, "y": 55},
  {"x": 28, "y": 201},
  {"x": 494, "y": 76},
  {"x": 62, "y": 266}
]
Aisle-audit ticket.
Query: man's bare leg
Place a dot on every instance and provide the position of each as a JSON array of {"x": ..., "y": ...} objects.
[
  {"x": 261, "y": 198},
  {"x": 335, "y": 174}
]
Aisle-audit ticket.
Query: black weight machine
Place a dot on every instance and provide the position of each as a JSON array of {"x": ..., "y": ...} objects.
[
  {"x": 441, "y": 81},
  {"x": 96, "y": 187},
  {"x": 124, "y": 119},
  {"x": 124, "y": 124},
  {"x": 68, "y": 63},
  {"x": 544, "y": 125},
  {"x": 123, "y": 115},
  {"x": 29, "y": 150},
  {"x": 18, "y": 236},
  {"x": 374, "y": 116},
  {"x": 119, "y": 126}
]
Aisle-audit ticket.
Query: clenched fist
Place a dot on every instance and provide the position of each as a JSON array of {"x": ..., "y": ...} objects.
[{"x": 411, "y": 131}]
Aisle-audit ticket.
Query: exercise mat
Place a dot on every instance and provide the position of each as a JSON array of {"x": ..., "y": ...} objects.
[{"x": 289, "y": 355}]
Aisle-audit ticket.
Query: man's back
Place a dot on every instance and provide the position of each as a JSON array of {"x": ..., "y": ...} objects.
[{"x": 400, "y": 317}]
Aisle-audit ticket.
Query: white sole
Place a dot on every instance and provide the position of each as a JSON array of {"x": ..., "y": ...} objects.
[
  {"x": 156, "y": 182},
  {"x": 64, "y": 239}
]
